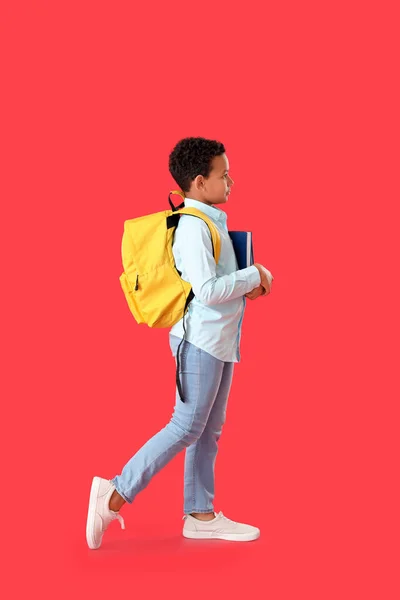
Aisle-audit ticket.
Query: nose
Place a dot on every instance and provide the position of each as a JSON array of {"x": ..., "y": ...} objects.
[{"x": 231, "y": 180}]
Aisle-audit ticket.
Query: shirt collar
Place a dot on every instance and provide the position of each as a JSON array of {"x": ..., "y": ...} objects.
[{"x": 213, "y": 212}]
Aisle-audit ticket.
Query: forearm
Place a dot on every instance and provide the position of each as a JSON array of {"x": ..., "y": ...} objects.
[{"x": 218, "y": 290}]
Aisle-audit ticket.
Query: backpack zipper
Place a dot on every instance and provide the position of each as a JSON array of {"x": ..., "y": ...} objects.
[{"x": 137, "y": 283}]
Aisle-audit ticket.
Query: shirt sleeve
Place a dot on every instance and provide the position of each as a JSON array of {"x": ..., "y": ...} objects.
[{"x": 199, "y": 266}]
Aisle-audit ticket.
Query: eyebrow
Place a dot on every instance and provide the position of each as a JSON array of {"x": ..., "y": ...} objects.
[{"x": 226, "y": 170}]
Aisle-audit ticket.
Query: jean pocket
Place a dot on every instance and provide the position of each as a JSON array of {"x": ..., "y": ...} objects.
[
  {"x": 190, "y": 359},
  {"x": 183, "y": 353}
]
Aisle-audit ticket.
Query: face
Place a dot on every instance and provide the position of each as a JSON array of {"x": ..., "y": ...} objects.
[{"x": 215, "y": 188}]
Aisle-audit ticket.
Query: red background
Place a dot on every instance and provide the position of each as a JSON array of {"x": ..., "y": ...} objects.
[{"x": 305, "y": 98}]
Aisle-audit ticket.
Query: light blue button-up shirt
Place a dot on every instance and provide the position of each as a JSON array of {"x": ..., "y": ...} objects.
[{"x": 214, "y": 318}]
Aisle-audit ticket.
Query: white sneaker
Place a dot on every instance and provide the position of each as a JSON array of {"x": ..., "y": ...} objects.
[
  {"x": 99, "y": 514},
  {"x": 220, "y": 528}
]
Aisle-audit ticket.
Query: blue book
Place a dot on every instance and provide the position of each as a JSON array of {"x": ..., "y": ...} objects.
[{"x": 242, "y": 242}]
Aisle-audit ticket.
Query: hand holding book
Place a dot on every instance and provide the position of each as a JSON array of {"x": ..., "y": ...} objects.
[
  {"x": 266, "y": 278},
  {"x": 256, "y": 293},
  {"x": 265, "y": 286},
  {"x": 242, "y": 242}
]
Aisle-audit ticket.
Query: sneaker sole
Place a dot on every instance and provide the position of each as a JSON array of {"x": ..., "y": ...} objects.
[
  {"x": 94, "y": 492},
  {"x": 208, "y": 535}
]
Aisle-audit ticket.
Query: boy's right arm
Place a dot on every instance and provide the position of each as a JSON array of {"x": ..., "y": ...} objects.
[{"x": 200, "y": 268}]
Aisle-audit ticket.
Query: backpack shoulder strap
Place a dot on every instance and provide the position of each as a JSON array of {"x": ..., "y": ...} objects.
[{"x": 215, "y": 237}]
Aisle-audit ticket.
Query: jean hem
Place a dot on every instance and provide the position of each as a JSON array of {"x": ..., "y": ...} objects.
[
  {"x": 195, "y": 510},
  {"x": 121, "y": 493}
]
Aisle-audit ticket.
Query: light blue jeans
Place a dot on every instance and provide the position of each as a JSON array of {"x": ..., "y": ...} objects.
[{"x": 196, "y": 425}]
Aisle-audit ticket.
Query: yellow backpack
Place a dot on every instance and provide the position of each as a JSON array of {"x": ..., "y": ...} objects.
[{"x": 154, "y": 290}]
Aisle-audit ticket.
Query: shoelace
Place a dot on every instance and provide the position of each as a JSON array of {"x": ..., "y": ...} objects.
[
  {"x": 120, "y": 519},
  {"x": 226, "y": 518}
]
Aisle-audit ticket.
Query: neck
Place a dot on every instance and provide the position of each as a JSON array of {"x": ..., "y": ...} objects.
[{"x": 193, "y": 197}]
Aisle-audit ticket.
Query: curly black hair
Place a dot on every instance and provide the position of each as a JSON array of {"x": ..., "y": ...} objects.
[{"x": 192, "y": 156}]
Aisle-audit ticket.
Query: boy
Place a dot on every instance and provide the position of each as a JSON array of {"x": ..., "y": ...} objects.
[{"x": 207, "y": 356}]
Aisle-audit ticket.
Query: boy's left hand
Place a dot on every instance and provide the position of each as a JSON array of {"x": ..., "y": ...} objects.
[{"x": 258, "y": 291}]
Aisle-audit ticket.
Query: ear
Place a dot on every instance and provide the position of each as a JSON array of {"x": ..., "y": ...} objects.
[{"x": 199, "y": 182}]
